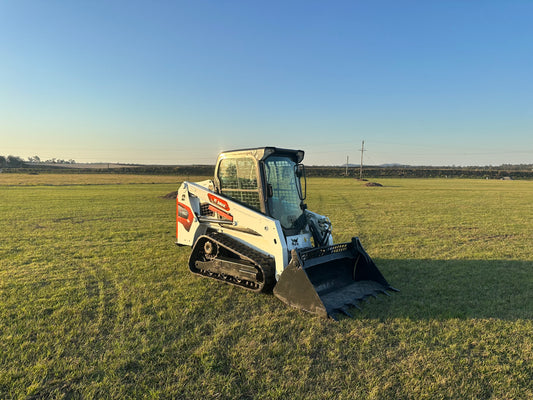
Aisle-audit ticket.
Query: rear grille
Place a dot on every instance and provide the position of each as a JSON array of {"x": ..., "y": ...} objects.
[{"x": 205, "y": 211}]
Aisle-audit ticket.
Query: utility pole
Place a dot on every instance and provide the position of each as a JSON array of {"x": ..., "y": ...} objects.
[
  {"x": 347, "y": 165},
  {"x": 361, "y": 168}
]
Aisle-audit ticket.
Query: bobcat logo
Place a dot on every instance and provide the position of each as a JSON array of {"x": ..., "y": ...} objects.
[{"x": 294, "y": 241}]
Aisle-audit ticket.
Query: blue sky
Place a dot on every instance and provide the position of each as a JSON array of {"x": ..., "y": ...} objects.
[{"x": 175, "y": 82}]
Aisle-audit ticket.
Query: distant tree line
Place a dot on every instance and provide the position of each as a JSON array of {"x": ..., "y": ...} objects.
[
  {"x": 11, "y": 162},
  {"x": 490, "y": 172},
  {"x": 18, "y": 162},
  {"x": 34, "y": 164}
]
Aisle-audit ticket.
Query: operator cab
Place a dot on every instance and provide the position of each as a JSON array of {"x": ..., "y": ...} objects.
[{"x": 266, "y": 179}]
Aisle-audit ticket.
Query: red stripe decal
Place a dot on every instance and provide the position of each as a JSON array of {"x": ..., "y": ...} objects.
[
  {"x": 184, "y": 216},
  {"x": 221, "y": 213}
]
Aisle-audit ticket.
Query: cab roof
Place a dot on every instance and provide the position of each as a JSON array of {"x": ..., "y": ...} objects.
[{"x": 260, "y": 153}]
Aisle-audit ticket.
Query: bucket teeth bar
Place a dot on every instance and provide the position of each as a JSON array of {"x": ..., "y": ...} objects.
[{"x": 327, "y": 280}]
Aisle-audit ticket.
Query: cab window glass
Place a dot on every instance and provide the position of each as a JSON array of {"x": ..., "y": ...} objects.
[
  {"x": 238, "y": 180},
  {"x": 284, "y": 203}
]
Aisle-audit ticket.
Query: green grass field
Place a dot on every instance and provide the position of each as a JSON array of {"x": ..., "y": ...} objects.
[{"x": 96, "y": 301}]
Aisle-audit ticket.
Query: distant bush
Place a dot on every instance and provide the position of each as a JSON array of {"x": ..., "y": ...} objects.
[{"x": 11, "y": 162}]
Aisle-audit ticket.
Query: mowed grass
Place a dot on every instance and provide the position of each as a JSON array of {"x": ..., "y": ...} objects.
[
  {"x": 51, "y": 179},
  {"x": 96, "y": 301}
]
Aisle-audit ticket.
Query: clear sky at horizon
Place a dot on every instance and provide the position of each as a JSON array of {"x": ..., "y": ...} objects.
[{"x": 175, "y": 82}]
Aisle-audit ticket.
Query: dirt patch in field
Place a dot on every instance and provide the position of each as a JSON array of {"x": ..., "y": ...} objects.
[
  {"x": 373, "y": 184},
  {"x": 170, "y": 196}
]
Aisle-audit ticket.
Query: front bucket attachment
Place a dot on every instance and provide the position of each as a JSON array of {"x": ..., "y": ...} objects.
[{"x": 329, "y": 280}]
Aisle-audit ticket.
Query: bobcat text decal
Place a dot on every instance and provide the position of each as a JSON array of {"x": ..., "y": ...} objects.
[{"x": 218, "y": 201}]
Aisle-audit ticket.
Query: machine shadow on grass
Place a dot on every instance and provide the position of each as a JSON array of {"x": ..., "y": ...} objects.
[
  {"x": 438, "y": 290},
  {"x": 464, "y": 289}
]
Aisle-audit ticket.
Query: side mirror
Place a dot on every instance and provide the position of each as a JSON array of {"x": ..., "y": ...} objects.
[{"x": 299, "y": 171}]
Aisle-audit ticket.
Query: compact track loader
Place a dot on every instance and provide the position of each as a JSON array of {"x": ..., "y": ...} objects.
[{"x": 250, "y": 227}]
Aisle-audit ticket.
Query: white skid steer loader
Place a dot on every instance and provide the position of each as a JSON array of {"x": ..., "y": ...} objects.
[{"x": 250, "y": 227}]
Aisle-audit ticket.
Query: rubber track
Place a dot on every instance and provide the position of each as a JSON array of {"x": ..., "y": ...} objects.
[{"x": 264, "y": 263}]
